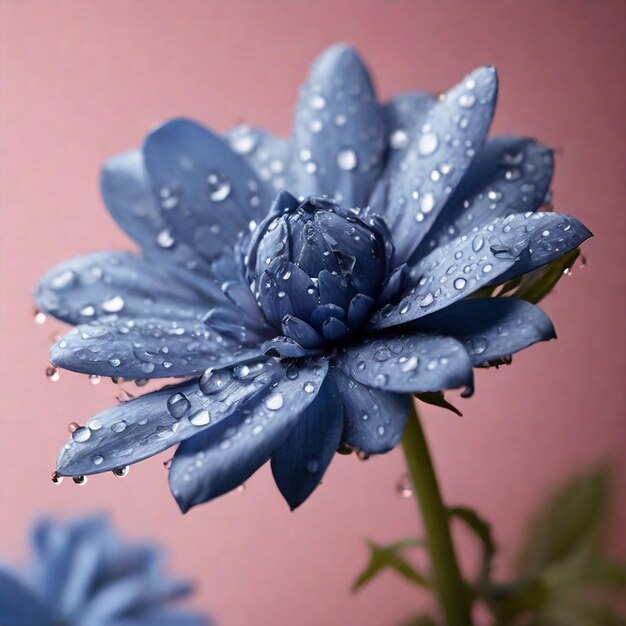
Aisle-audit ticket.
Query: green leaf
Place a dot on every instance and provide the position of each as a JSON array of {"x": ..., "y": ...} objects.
[
  {"x": 538, "y": 284},
  {"x": 436, "y": 399},
  {"x": 570, "y": 520},
  {"x": 390, "y": 556},
  {"x": 482, "y": 529}
]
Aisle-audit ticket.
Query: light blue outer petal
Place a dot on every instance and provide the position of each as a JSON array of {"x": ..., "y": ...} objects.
[
  {"x": 373, "y": 420},
  {"x": 299, "y": 463},
  {"x": 436, "y": 158},
  {"x": 403, "y": 117},
  {"x": 105, "y": 284},
  {"x": 127, "y": 193},
  {"x": 229, "y": 452},
  {"x": 508, "y": 175},
  {"x": 407, "y": 362},
  {"x": 267, "y": 154},
  {"x": 491, "y": 328},
  {"x": 489, "y": 254},
  {"x": 145, "y": 426},
  {"x": 19, "y": 606},
  {"x": 338, "y": 132},
  {"x": 141, "y": 348},
  {"x": 551, "y": 236},
  {"x": 213, "y": 195}
]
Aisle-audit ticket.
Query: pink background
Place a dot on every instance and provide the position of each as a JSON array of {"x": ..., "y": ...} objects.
[{"x": 81, "y": 81}]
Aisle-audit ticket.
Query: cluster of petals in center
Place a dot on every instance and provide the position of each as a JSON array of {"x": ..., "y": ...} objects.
[{"x": 316, "y": 269}]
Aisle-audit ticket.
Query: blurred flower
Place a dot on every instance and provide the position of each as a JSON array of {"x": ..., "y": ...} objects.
[
  {"x": 83, "y": 575},
  {"x": 305, "y": 323}
]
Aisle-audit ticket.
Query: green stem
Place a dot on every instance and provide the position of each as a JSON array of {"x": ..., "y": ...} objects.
[{"x": 452, "y": 593}]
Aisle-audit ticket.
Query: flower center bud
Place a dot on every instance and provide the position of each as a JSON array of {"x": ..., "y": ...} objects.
[{"x": 316, "y": 269}]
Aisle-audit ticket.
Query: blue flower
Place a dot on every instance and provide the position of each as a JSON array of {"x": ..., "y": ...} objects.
[
  {"x": 83, "y": 575},
  {"x": 303, "y": 325}
]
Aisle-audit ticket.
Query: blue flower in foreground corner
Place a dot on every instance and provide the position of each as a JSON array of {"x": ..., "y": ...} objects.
[
  {"x": 83, "y": 575},
  {"x": 304, "y": 325}
]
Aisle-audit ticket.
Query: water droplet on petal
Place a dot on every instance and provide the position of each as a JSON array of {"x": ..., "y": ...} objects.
[
  {"x": 459, "y": 283},
  {"x": 309, "y": 387},
  {"x": 81, "y": 434},
  {"x": 312, "y": 466},
  {"x": 56, "y": 479},
  {"x": 72, "y": 426},
  {"x": 428, "y": 143},
  {"x": 121, "y": 472},
  {"x": 113, "y": 305},
  {"x": 79, "y": 480},
  {"x": 398, "y": 139},
  {"x": 178, "y": 405},
  {"x": 94, "y": 379},
  {"x": 201, "y": 418},
  {"x": 274, "y": 401},
  {"x": 118, "y": 427},
  {"x": 97, "y": 460},
  {"x": 168, "y": 464},
  {"x": 219, "y": 187},
  {"x": 165, "y": 239},
  {"x": 347, "y": 159}
]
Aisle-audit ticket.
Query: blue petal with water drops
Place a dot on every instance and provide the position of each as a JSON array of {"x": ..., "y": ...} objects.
[
  {"x": 403, "y": 117},
  {"x": 436, "y": 158},
  {"x": 145, "y": 426},
  {"x": 338, "y": 131},
  {"x": 373, "y": 420},
  {"x": 105, "y": 284},
  {"x": 456, "y": 270},
  {"x": 508, "y": 175},
  {"x": 82, "y": 573},
  {"x": 214, "y": 194},
  {"x": 228, "y": 453},
  {"x": 491, "y": 328},
  {"x": 127, "y": 193},
  {"x": 140, "y": 348},
  {"x": 299, "y": 463},
  {"x": 408, "y": 363},
  {"x": 550, "y": 236},
  {"x": 267, "y": 154}
]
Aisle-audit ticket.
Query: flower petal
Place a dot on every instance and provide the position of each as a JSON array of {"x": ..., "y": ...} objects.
[
  {"x": 408, "y": 362},
  {"x": 267, "y": 154},
  {"x": 508, "y": 175},
  {"x": 403, "y": 116},
  {"x": 208, "y": 192},
  {"x": 126, "y": 191},
  {"x": 551, "y": 236},
  {"x": 489, "y": 254},
  {"x": 437, "y": 157},
  {"x": 140, "y": 428},
  {"x": 339, "y": 130},
  {"x": 105, "y": 284},
  {"x": 19, "y": 605},
  {"x": 491, "y": 328},
  {"x": 143, "y": 348},
  {"x": 299, "y": 463},
  {"x": 373, "y": 420},
  {"x": 225, "y": 455}
]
